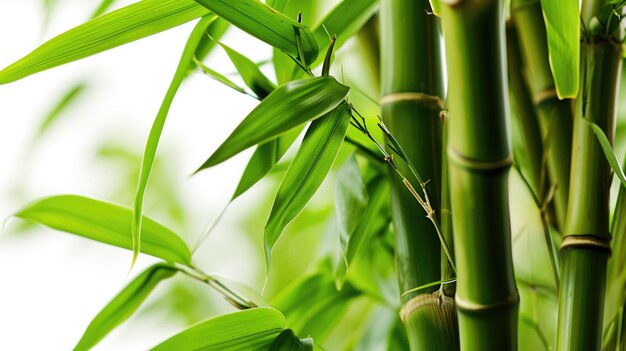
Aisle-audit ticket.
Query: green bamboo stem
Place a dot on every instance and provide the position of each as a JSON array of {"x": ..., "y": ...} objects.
[
  {"x": 479, "y": 160},
  {"x": 555, "y": 116},
  {"x": 411, "y": 97},
  {"x": 585, "y": 249}
]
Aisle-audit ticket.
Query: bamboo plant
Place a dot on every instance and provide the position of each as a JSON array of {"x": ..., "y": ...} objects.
[{"x": 405, "y": 104}]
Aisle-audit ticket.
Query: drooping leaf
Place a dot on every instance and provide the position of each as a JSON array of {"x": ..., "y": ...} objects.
[
  {"x": 104, "y": 6},
  {"x": 288, "y": 341},
  {"x": 119, "y": 27},
  {"x": 350, "y": 200},
  {"x": 285, "y": 108},
  {"x": 106, "y": 223},
  {"x": 252, "y": 329},
  {"x": 158, "y": 124},
  {"x": 250, "y": 73},
  {"x": 263, "y": 160},
  {"x": 306, "y": 173},
  {"x": 562, "y": 19},
  {"x": 266, "y": 24},
  {"x": 124, "y": 304},
  {"x": 344, "y": 20},
  {"x": 66, "y": 100},
  {"x": 608, "y": 152},
  {"x": 220, "y": 77}
]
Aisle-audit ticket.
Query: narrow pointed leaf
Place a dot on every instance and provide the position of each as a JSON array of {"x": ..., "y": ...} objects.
[
  {"x": 158, "y": 124},
  {"x": 250, "y": 73},
  {"x": 263, "y": 160},
  {"x": 253, "y": 329},
  {"x": 287, "y": 107},
  {"x": 278, "y": 5},
  {"x": 266, "y": 24},
  {"x": 220, "y": 77},
  {"x": 66, "y": 100},
  {"x": 119, "y": 27},
  {"x": 288, "y": 341},
  {"x": 104, "y": 6},
  {"x": 106, "y": 223},
  {"x": 562, "y": 18},
  {"x": 306, "y": 173},
  {"x": 608, "y": 152},
  {"x": 350, "y": 200},
  {"x": 124, "y": 304},
  {"x": 344, "y": 20}
]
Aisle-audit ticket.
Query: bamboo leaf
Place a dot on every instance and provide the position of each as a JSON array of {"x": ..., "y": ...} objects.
[
  {"x": 344, "y": 20},
  {"x": 608, "y": 152},
  {"x": 562, "y": 19},
  {"x": 124, "y": 304},
  {"x": 220, "y": 77},
  {"x": 435, "y": 7},
  {"x": 278, "y": 5},
  {"x": 250, "y": 73},
  {"x": 350, "y": 200},
  {"x": 66, "y": 100},
  {"x": 263, "y": 160},
  {"x": 106, "y": 223},
  {"x": 306, "y": 173},
  {"x": 266, "y": 24},
  {"x": 252, "y": 329},
  {"x": 288, "y": 341},
  {"x": 158, "y": 124},
  {"x": 104, "y": 6},
  {"x": 285, "y": 108},
  {"x": 119, "y": 27}
]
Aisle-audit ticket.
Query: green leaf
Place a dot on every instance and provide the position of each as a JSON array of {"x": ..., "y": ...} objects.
[
  {"x": 220, "y": 77},
  {"x": 373, "y": 221},
  {"x": 288, "y": 341},
  {"x": 278, "y": 5},
  {"x": 266, "y": 24},
  {"x": 107, "y": 223},
  {"x": 252, "y": 329},
  {"x": 562, "y": 18},
  {"x": 158, "y": 124},
  {"x": 285, "y": 108},
  {"x": 350, "y": 200},
  {"x": 306, "y": 173},
  {"x": 250, "y": 73},
  {"x": 120, "y": 27},
  {"x": 104, "y": 6},
  {"x": 214, "y": 32},
  {"x": 263, "y": 160},
  {"x": 344, "y": 21},
  {"x": 608, "y": 152},
  {"x": 435, "y": 6},
  {"x": 66, "y": 100},
  {"x": 124, "y": 304}
]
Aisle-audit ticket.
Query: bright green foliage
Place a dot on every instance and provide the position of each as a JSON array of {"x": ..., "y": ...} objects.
[
  {"x": 435, "y": 6},
  {"x": 66, "y": 100},
  {"x": 306, "y": 173},
  {"x": 608, "y": 152},
  {"x": 288, "y": 341},
  {"x": 103, "y": 7},
  {"x": 264, "y": 23},
  {"x": 253, "y": 329},
  {"x": 220, "y": 77},
  {"x": 562, "y": 19},
  {"x": 106, "y": 223},
  {"x": 159, "y": 122},
  {"x": 124, "y": 304},
  {"x": 120, "y": 27},
  {"x": 285, "y": 108},
  {"x": 250, "y": 73}
]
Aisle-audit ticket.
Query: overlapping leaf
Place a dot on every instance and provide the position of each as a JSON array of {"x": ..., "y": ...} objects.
[
  {"x": 288, "y": 341},
  {"x": 562, "y": 18},
  {"x": 106, "y": 223},
  {"x": 250, "y": 73},
  {"x": 252, "y": 329},
  {"x": 306, "y": 173},
  {"x": 351, "y": 199},
  {"x": 159, "y": 122},
  {"x": 124, "y": 304},
  {"x": 120, "y": 27},
  {"x": 285, "y": 108},
  {"x": 608, "y": 152},
  {"x": 266, "y": 24}
]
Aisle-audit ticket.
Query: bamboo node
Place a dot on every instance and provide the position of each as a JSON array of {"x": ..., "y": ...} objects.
[
  {"x": 473, "y": 307},
  {"x": 476, "y": 165},
  {"x": 586, "y": 241},
  {"x": 544, "y": 95},
  {"x": 436, "y": 298},
  {"x": 431, "y": 101}
]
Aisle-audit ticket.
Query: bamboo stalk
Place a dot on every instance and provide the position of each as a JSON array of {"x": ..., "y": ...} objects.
[
  {"x": 411, "y": 98},
  {"x": 479, "y": 160},
  {"x": 585, "y": 249},
  {"x": 555, "y": 116}
]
